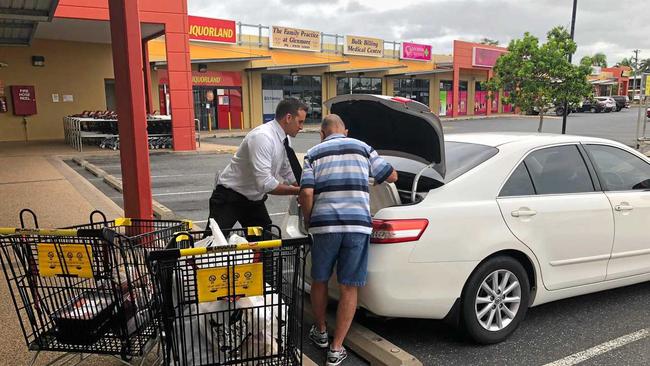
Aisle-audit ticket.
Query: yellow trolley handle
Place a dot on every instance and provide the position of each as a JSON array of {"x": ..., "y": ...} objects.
[
  {"x": 175, "y": 253},
  {"x": 81, "y": 233}
]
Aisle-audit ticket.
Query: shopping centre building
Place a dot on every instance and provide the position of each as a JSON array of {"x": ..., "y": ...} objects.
[{"x": 238, "y": 72}]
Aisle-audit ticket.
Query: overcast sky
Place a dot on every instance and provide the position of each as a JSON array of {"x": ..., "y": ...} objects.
[{"x": 614, "y": 27}]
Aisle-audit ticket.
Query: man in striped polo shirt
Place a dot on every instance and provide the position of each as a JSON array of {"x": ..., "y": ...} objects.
[{"x": 335, "y": 202}]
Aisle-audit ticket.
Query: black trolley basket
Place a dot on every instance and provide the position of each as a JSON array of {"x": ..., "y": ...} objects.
[
  {"x": 238, "y": 304},
  {"x": 86, "y": 289}
]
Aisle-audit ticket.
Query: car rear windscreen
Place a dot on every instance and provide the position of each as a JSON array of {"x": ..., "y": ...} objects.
[{"x": 461, "y": 157}]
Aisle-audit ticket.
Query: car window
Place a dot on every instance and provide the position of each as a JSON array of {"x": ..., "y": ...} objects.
[
  {"x": 619, "y": 170},
  {"x": 519, "y": 183},
  {"x": 559, "y": 169}
]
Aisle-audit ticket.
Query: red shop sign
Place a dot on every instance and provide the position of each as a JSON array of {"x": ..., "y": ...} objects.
[
  {"x": 209, "y": 78},
  {"x": 212, "y": 30},
  {"x": 23, "y": 100},
  {"x": 485, "y": 57}
]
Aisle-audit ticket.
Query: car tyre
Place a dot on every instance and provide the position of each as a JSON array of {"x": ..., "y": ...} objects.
[
  {"x": 593, "y": 110},
  {"x": 491, "y": 319}
]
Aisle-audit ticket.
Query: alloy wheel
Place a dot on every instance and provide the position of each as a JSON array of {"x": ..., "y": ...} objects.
[{"x": 497, "y": 300}]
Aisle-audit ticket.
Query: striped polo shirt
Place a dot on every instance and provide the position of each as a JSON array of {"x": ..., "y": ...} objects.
[{"x": 338, "y": 169}]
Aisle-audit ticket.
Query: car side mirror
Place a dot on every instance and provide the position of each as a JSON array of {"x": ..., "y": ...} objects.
[{"x": 642, "y": 185}]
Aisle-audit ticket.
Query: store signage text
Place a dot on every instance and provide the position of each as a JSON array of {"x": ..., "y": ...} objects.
[
  {"x": 212, "y": 30},
  {"x": 415, "y": 51},
  {"x": 295, "y": 39},
  {"x": 485, "y": 57},
  {"x": 363, "y": 46},
  {"x": 210, "y": 78}
]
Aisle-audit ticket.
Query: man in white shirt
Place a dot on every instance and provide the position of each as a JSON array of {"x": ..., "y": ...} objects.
[{"x": 264, "y": 164}]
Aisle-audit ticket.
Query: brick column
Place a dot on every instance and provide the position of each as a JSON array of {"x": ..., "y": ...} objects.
[{"x": 456, "y": 92}]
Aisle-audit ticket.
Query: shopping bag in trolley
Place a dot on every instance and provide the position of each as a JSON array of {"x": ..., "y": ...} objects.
[{"x": 233, "y": 315}]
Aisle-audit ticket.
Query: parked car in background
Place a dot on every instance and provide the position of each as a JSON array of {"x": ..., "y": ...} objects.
[
  {"x": 481, "y": 226},
  {"x": 610, "y": 104},
  {"x": 593, "y": 106},
  {"x": 648, "y": 112},
  {"x": 622, "y": 101}
]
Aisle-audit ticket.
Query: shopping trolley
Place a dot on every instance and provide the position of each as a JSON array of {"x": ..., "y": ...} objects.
[
  {"x": 236, "y": 304},
  {"x": 86, "y": 289}
]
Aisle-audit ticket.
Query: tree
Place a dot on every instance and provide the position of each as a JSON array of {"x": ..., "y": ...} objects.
[
  {"x": 489, "y": 41},
  {"x": 540, "y": 76},
  {"x": 624, "y": 62},
  {"x": 644, "y": 65},
  {"x": 598, "y": 59}
]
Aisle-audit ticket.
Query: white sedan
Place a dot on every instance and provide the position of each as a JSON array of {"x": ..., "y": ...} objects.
[{"x": 479, "y": 227}]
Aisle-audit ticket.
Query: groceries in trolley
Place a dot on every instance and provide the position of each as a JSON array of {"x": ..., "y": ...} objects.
[
  {"x": 84, "y": 319},
  {"x": 231, "y": 301}
]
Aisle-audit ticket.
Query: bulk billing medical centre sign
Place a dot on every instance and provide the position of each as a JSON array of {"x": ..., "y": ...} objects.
[
  {"x": 295, "y": 39},
  {"x": 212, "y": 30},
  {"x": 363, "y": 46}
]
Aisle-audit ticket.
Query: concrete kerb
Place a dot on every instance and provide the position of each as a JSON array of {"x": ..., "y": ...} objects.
[
  {"x": 369, "y": 345},
  {"x": 160, "y": 211}
]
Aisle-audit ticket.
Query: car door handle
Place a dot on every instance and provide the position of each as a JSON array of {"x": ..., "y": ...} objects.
[
  {"x": 623, "y": 207},
  {"x": 523, "y": 212}
]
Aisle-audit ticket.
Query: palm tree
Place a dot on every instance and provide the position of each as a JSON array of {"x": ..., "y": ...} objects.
[
  {"x": 644, "y": 65},
  {"x": 599, "y": 59},
  {"x": 491, "y": 42},
  {"x": 624, "y": 62}
]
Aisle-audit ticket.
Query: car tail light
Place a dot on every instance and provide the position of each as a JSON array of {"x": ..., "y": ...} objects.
[
  {"x": 397, "y": 231},
  {"x": 401, "y": 100}
]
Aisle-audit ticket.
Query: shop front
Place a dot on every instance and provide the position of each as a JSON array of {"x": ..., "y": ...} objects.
[
  {"x": 412, "y": 88},
  {"x": 217, "y": 97},
  {"x": 307, "y": 88}
]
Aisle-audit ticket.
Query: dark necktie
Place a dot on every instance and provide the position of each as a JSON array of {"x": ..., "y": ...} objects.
[{"x": 293, "y": 160}]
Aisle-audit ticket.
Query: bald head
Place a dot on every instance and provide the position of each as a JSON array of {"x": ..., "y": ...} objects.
[{"x": 332, "y": 124}]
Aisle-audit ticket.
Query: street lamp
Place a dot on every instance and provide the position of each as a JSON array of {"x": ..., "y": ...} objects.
[{"x": 573, "y": 27}]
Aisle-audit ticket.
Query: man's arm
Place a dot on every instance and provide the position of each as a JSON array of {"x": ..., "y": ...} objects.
[
  {"x": 306, "y": 200},
  {"x": 261, "y": 155},
  {"x": 285, "y": 190}
]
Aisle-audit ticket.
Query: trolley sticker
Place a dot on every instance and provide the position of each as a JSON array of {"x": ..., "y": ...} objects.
[
  {"x": 77, "y": 260},
  {"x": 243, "y": 279}
]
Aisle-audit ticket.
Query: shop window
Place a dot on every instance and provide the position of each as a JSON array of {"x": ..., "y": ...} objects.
[
  {"x": 307, "y": 88},
  {"x": 359, "y": 85},
  {"x": 416, "y": 89}
]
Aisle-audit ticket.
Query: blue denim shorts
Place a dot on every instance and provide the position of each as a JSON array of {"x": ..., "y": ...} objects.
[{"x": 350, "y": 253}]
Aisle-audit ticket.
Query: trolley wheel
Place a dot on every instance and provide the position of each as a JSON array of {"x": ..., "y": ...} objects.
[{"x": 125, "y": 355}]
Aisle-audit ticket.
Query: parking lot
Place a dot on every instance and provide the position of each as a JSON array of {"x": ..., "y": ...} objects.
[{"x": 560, "y": 333}]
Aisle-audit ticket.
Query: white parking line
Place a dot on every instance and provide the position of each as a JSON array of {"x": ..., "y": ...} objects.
[
  {"x": 273, "y": 214},
  {"x": 180, "y": 175},
  {"x": 179, "y": 193},
  {"x": 576, "y": 358}
]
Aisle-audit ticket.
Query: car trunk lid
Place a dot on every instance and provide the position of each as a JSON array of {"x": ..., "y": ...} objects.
[{"x": 393, "y": 126}]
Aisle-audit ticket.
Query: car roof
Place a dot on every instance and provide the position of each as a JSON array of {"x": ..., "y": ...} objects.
[{"x": 496, "y": 139}]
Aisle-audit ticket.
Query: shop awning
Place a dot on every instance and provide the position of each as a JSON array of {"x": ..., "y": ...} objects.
[
  {"x": 301, "y": 66},
  {"x": 375, "y": 69},
  {"x": 217, "y": 60},
  {"x": 19, "y": 19},
  {"x": 424, "y": 73},
  {"x": 604, "y": 82}
]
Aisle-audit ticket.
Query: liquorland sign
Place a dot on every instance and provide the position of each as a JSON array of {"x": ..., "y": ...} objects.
[{"x": 212, "y": 30}]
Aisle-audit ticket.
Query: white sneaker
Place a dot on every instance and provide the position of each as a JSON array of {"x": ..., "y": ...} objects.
[
  {"x": 335, "y": 357},
  {"x": 320, "y": 339}
]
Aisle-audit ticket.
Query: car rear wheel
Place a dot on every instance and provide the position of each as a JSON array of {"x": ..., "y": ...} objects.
[{"x": 495, "y": 300}]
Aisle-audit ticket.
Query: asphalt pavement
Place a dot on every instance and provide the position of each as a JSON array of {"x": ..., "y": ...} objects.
[{"x": 608, "y": 328}]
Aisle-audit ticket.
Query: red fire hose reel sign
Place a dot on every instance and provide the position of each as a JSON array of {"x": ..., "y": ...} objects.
[{"x": 23, "y": 100}]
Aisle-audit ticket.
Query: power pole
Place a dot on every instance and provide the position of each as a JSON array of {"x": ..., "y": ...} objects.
[
  {"x": 573, "y": 28},
  {"x": 635, "y": 68}
]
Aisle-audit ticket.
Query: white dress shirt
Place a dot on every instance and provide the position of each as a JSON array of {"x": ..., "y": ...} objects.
[{"x": 260, "y": 163}]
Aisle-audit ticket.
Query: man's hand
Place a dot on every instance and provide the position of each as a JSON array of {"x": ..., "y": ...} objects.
[
  {"x": 285, "y": 190},
  {"x": 306, "y": 200},
  {"x": 392, "y": 178}
]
